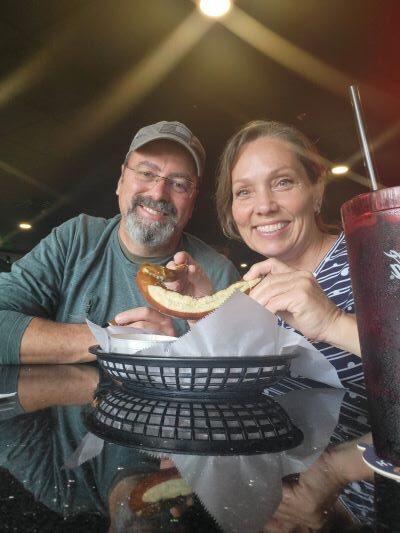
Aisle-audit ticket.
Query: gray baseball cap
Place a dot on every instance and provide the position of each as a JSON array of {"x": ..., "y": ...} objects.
[{"x": 172, "y": 131}]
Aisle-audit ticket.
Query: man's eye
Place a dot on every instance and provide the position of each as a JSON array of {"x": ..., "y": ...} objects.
[
  {"x": 147, "y": 174},
  {"x": 180, "y": 185}
]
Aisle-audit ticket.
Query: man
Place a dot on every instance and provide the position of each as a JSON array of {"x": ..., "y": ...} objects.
[{"x": 86, "y": 268}]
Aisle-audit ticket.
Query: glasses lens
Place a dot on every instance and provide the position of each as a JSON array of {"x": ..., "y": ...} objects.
[
  {"x": 181, "y": 185},
  {"x": 146, "y": 176},
  {"x": 178, "y": 185}
]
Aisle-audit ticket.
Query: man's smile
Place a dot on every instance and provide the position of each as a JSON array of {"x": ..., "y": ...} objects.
[
  {"x": 150, "y": 209},
  {"x": 152, "y": 212}
]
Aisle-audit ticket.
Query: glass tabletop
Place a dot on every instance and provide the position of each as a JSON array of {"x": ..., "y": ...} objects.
[{"x": 79, "y": 452}]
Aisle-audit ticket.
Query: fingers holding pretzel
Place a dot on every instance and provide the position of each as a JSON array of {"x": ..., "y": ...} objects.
[
  {"x": 295, "y": 296},
  {"x": 191, "y": 279}
]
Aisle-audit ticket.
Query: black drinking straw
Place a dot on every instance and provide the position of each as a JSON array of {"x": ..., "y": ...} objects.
[{"x": 356, "y": 102}]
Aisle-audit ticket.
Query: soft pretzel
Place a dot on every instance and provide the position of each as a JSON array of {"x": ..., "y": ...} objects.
[
  {"x": 150, "y": 280},
  {"x": 154, "y": 488}
]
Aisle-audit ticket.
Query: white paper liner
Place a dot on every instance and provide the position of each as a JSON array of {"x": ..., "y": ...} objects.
[
  {"x": 240, "y": 492},
  {"x": 240, "y": 327},
  {"x": 231, "y": 487}
]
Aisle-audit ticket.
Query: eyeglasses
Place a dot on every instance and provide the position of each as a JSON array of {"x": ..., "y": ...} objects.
[{"x": 177, "y": 184}]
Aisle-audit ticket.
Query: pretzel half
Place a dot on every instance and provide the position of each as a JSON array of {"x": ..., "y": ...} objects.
[
  {"x": 150, "y": 280},
  {"x": 152, "y": 489}
]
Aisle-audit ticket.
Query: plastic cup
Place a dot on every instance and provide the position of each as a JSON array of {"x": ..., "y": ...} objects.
[{"x": 372, "y": 227}]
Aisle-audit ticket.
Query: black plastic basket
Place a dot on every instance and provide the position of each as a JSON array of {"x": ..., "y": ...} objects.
[
  {"x": 192, "y": 426},
  {"x": 195, "y": 376}
]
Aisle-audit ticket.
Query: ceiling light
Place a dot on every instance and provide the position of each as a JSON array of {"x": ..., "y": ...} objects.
[
  {"x": 25, "y": 225},
  {"x": 215, "y": 8},
  {"x": 243, "y": 265},
  {"x": 340, "y": 169}
]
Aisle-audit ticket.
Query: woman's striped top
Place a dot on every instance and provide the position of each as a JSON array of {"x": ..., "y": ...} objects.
[{"x": 334, "y": 278}]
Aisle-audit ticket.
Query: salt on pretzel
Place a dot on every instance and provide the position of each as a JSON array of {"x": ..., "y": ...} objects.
[{"x": 150, "y": 280}]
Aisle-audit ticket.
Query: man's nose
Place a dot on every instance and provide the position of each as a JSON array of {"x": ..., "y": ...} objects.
[{"x": 160, "y": 188}]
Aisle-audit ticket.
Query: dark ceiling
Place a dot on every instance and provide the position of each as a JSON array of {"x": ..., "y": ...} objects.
[{"x": 79, "y": 77}]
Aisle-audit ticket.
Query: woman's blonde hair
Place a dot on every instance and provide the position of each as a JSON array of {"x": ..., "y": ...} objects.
[{"x": 302, "y": 146}]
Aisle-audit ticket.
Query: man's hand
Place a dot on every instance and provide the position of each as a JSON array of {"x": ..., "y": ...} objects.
[
  {"x": 195, "y": 283},
  {"x": 146, "y": 318}
]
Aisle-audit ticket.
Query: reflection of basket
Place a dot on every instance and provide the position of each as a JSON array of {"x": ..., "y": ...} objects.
[
  {"x": 192, "y": 426},
  {"x": 197, "y": 376}
]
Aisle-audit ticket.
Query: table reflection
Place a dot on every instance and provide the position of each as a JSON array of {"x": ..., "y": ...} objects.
[{"x": 51, "y": 452}]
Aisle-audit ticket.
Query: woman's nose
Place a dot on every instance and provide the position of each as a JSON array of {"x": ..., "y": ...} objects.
[{"x": 266, "y": 202}]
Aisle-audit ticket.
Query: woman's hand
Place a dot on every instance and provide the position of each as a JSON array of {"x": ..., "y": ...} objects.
[
  {"x": 295, "y": 296},
  {"x": 298, "y": 299},
  {"x": 309, "y": 501},
  {"x": 195, "y": 282},
  {"x": 148, "y": 319}
]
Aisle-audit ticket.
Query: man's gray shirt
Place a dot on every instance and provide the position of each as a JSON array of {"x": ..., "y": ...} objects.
[{"x": 79, "y": 271}]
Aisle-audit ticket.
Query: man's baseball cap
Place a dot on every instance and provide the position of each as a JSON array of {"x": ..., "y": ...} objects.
[{"x": 172, "y": 131}]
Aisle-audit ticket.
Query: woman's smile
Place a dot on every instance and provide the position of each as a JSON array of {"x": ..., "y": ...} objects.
[
  {"x": 273, "y": 200},
  {"x": 268, "y": 229}
]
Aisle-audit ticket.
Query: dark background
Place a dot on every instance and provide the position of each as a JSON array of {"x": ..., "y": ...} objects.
[{"x": 79, "y": 77}]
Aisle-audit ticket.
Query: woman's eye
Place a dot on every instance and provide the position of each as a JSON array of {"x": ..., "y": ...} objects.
[
  {"x": 241, "y": 193},
  {"x": 283, "y": 183}
]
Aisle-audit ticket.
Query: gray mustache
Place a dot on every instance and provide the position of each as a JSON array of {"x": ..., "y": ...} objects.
[{"x": 159, "y": 205}]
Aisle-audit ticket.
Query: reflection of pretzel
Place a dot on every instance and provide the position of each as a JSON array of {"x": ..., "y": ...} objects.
[
  {"x": 150, "y": 280},
  {"x": 154, "y": 488}
]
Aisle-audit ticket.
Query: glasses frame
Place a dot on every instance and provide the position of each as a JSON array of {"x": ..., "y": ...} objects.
[{"x": 158, "y": 177}]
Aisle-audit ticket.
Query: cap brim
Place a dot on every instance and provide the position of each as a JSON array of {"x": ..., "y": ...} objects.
[{"x": 165, "y": 136}]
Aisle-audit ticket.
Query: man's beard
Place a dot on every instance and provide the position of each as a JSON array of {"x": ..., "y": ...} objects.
[{"x": 144, "y": 231}]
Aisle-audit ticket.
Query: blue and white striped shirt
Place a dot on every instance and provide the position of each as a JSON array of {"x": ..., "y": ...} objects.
[{"x": 333, "y": 275}]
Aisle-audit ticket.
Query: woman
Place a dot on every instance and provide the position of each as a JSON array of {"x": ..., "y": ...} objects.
[{"x": 270, "y": 188}]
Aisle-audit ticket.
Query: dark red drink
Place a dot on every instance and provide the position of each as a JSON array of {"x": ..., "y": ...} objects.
[{"x": 372, "y": 227}]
